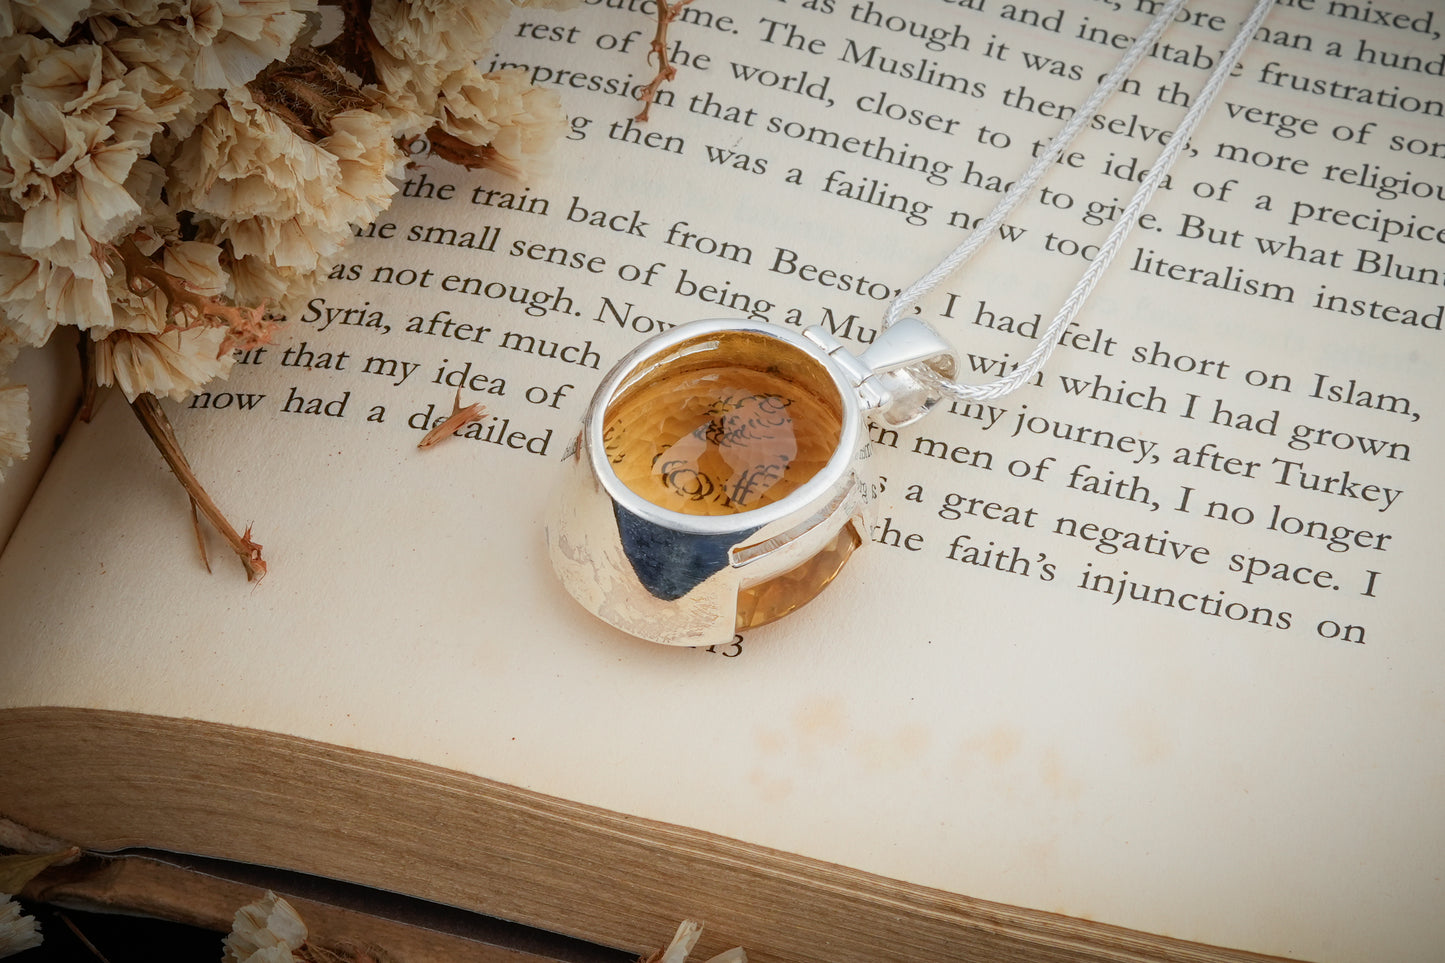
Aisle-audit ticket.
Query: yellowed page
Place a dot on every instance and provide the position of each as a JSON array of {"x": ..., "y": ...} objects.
[{"x": 1152, "y": 642}]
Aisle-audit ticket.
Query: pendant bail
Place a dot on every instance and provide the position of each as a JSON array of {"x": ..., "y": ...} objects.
[{"x": 897, "y": 376}]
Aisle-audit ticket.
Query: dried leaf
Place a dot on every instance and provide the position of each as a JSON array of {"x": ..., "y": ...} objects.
[
  {"x": 459, "y": 417},
  {"x": 16, "y": 871}
]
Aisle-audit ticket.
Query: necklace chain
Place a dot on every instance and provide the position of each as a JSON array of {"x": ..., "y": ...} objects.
[{"x": 981, "y": 232}]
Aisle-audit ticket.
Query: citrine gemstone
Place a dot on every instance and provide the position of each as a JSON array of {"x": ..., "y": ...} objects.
[
  {"x": 725, "y": 424},
  {"x": 762, "y": 603}
]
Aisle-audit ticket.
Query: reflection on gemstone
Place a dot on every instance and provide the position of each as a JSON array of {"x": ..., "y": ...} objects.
[{"x": 722, "y": 431}]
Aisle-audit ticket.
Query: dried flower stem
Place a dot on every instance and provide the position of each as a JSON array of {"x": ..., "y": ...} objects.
[
  {"x": 666, "y": 14},
  {"x": 87, "y": 378},
  {"x": 158, "y": 426},
  {"x": 84, "y": 940},
  {"x": 246, "y": 327}
]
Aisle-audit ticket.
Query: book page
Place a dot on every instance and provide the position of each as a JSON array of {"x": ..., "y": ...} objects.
[{"x": 1151, "y": 641}]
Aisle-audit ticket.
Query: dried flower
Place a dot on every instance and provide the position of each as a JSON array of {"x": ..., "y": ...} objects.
[
  {"x": 166, "y": 365},
  {"x": 246, "y": 37},
  {"x": 686, "y": 937},
  {"x": 174, "y": 174},
  {"x": 266, "y": 931},
  {"x": 460, "y": 417},
  {"x": 496, "y": 120},
  {"x": 56, "y": 16},
  {"x": 445, "y": 33},
  {"x": 17, "y": 931}
]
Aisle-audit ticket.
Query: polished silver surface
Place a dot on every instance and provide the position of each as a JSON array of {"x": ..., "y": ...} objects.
[
  {"x": 674, "y": 578},
  {"x": 898, "y": 375}
]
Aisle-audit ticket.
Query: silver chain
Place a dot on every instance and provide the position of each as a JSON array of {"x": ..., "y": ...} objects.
[{"x": 1006, "y": 205}]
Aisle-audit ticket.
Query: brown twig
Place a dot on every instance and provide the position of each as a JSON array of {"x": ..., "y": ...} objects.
[
  {"x": 82, "y": 937},
  {"x": 158, "y": 426},
  {"x": 666, "y": 14},
  {"x": 87, "y": 378},
  {"x": 245, "y": 327},
  {"x": 459, "y": 417}
]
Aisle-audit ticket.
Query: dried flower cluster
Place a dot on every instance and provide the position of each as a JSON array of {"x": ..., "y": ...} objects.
[
  {"x": 175, "y": 174},
  {"x": 17, "y": 931},
  {"x": 271, "y": 931},
  {"x": 266, "y": 931}
]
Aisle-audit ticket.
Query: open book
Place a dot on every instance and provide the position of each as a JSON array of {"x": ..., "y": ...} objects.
[{"x": 1143, "y": 660}]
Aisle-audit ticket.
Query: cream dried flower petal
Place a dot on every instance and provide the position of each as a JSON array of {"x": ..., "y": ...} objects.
[
  {"x": 266, "y": 931},
  {"x": 166, "y": 48},
  {"x": 529, "y": 131},
  {"x": 140, "y": 12},
  {"x": 408, "y": 92},
  {"x": 734, "y": 955},
  {"x": 146, "y": 183},
  {"x": 17, "y": 931},
  {"x": 197, "y": 264},
  {"x": 66, "y": 163},
  {"x": 244, "y": 161},
  {"x": 70, "y": 78},
  {"x": 56, "y": 16},
  {"x": 449, "y": 33},
  {"x": 263, "y": 188},
  {"x": 254, "y": 280},
  {"x": 369, "y": 160},
  {"x": 22, "y": 290},
  {"x": 501, "y": 111},
  {"x": 36, "y": 294},
  {"x": 78, "y": 299},
  {"x": 686, "y": 937},
  {"x": 106, "y": 208},
  {"x": 474, "y": 105},
  {"x": 251, "y": 34},
  {"x": 88, "y": 80},
  {"x": 293, "y": 242},
  {"x": 39, "y": 143},
  {"x": 17, "y": 52},
  {"x": 170, "y": 365}
]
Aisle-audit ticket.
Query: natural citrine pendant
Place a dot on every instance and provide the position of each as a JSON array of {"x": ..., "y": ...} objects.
[{"x": 720, "y": 478}]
